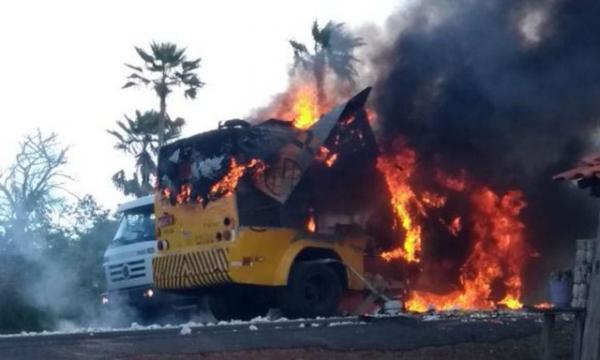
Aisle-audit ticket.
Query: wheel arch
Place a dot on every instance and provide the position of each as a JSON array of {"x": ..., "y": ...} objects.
[{"x": 309, "y": 254}]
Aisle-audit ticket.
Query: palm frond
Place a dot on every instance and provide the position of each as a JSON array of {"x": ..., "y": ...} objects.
[
  {"x": 298, "y": 47},
  {"x": 190, "y": 93},
  {"x": 144, "y": 55},
  {"x": 135, "y": 76},
  {"x": 136, "y": 68},
  {"x": 191, "y": 65},
  {"x": 128, "y": 84}
]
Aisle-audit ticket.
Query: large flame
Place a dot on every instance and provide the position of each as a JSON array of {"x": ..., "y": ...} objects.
[
  {"x": 300, "y": 104},
  {"x": 497, "y": 256},
  {"x": 397, "y": 169},
  {"x": 490, "y": 273},
  {"x": 497, "y": 251}
]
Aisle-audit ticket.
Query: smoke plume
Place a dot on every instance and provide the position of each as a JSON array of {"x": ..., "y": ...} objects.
[{"x": 507, "y": 91}]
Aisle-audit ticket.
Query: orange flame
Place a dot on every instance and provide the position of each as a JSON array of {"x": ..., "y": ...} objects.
[
  {"x": 397, "y": 170},
  {"x": 543, "y": 305},
  {"x": 497, "y": 256},
  {"x": 184, "y": 193},
  {"x": 310, "y": 224},
  {"x": 433, "y": 200},
  {"x": 228, "y": 183},
  {"x": 326, "y": 156},
  {"x": 300, "y": 105},
  {"x": 452, "y": 183},
  {"x": 455, "y": 226}
]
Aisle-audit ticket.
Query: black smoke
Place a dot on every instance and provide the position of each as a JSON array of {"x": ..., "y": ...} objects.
[{"x": 508, "y": 90}]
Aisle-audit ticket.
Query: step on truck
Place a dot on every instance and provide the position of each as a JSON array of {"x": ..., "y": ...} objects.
[{"x": 256, "y": 216}]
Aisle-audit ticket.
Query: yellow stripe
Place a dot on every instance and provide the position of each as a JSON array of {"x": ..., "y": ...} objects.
[{"x": 204, "y": 268}]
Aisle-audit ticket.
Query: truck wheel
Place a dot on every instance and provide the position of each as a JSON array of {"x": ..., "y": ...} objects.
[{"x": 313, "y": 290}]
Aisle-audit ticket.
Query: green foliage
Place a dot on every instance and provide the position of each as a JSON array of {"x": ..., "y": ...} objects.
[
  {"x": 140, "y": 138},
  {"x": 70, "y": 262},
  {"x": 78, "y": 242},
  {"x": 16, "y": 313},
  {"x": 165, "y": 67},
  {"x": 50, "y": 248}
]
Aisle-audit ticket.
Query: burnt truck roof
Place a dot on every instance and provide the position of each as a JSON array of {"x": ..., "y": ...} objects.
[{"x": 286, "y": 151}]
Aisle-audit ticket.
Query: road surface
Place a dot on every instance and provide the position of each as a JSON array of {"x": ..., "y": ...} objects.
[{"x": 332, "y": 334}]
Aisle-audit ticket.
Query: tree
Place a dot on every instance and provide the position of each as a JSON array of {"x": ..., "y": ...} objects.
[
  {"x": 30, "y": 190},
  {"x": 333, "y": 48},
  {"x": 165, "y": 67},
  {"x": 140, "y": 137},
  {"x": 77, "y": 242}
]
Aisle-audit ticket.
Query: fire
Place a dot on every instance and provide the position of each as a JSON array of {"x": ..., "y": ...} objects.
[
  {"x": 301, "y": 106},
  {"x": 452, "y": 183},
  {"x": 310, "y": 224},
  {"x": 455, "y": 226},
  {"x": 433, "y": 200},
  {"x": 326, "y": 156},
  {"x": 397, "y": 170},
  {"x": 331, "y": 160},
  {"x": 228, "y": 183},
  {"x": 184, "y": 193},
  {"x": 497, "y": 256},
  {"x": 490, "y": 276},
  {"x": 543, "y": 305}
]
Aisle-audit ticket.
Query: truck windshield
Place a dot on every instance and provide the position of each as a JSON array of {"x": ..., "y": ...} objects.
[{"x": 136, "y": 225}]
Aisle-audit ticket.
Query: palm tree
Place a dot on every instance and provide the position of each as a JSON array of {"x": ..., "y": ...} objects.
[
  {"x": 333, "y": 48},
  {"x": 165, "y": 67},
  {"x": 141, "y": 138}
]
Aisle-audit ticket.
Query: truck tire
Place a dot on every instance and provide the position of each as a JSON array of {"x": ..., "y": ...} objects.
[{"x": 313, "y": 290}]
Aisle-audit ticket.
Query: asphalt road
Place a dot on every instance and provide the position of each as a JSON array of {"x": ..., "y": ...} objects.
[{"x": 335, "y": 334}]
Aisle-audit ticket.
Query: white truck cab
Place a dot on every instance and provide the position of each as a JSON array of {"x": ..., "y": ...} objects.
[{"x": 128, "y": 258}]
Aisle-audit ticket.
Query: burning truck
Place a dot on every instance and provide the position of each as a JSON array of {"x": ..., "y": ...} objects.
[
  {"x": 271, "y": 214},
  {"x": 294, "y": 213}
]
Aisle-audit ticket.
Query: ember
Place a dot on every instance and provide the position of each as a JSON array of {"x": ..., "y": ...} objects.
[
  {"x": 543, "y": 305},
  {"x": 326, "y": 156},
  {"x": 310, "y": 224},
  {"x": 455, "y": 226}
]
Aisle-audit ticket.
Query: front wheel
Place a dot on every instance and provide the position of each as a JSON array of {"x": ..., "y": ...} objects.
[{"x": 313, "y": 290}]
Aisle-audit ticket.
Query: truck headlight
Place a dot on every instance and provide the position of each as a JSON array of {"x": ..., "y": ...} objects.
[
  {"x": 104, "y": 300},
  {"x": 149, "y": 293}
]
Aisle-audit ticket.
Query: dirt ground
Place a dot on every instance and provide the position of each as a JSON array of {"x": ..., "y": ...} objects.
[{"x": 525, "y": 348}]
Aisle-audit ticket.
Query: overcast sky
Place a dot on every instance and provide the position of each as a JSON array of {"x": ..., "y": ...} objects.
[{"x": 61, "y": 67}]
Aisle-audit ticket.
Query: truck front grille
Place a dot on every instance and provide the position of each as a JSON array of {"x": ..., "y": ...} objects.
[
  {"x": 191, "y": 269},
  {"x": 127, "y": 270}
]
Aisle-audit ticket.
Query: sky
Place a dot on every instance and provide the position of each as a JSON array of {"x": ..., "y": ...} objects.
[{"x": 62, "y": 67}]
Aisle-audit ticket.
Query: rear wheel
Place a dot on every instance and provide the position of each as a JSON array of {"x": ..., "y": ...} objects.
[{"x": 313, "y": 290}]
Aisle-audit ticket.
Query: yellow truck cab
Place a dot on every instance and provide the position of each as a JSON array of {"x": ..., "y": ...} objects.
[{"x": 257, "y": 216}]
